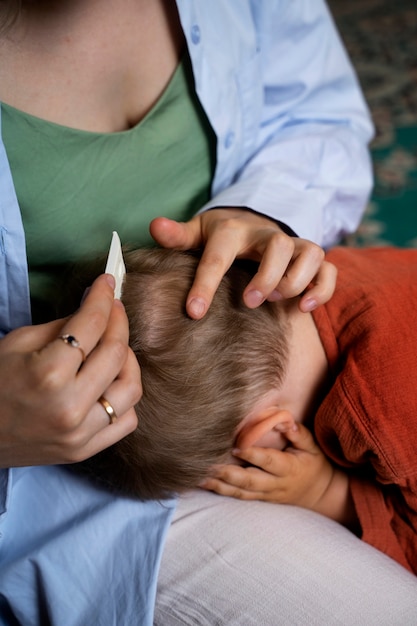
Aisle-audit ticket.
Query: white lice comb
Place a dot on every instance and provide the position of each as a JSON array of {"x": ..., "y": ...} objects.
[{"x": 115, "y": 264}]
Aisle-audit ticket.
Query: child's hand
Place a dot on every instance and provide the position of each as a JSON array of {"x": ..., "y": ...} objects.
[{"x": 299, "y": 475}]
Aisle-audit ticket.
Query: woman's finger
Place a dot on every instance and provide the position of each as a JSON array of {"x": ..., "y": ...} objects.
[
  {"x": 321, "y": 289},
  {"x": 180, "y": 235},
  {"x": 54, "y": 375},
  {"x": 122, "y": 394},
  {"x": 69, "y": 395},
  {"x": 218, "y": 255},
  {"x": 32, "y": 338},
  {"x": 275, "y": 251},
  {"x": 226, "y": 234},
  {"x": 287, "y": 265},
  {"x": 106, "y": 362},
  {"x": 302, "y": 269},
  {"x": 111, "y": 416},
  {"x": 79, "y": 334},
  {"x": 90, "y": 321}
]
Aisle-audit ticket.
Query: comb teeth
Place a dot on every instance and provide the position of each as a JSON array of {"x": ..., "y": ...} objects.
[{"x": 115, "y": 264}]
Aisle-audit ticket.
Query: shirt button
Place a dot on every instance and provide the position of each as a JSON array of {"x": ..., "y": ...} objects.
[
  {"x": 229, "y": 140},
  {"x": 195, "y": 34}
]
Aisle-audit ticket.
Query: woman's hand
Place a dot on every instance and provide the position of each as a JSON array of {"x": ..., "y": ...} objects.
[
  {"x": 300, "y": 475},
  {"x": 287, "y": 265},
  {"x": 49, "y": 397}
]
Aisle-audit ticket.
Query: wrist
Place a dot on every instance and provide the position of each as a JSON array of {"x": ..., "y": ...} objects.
[{"x": 337, "y": 502}]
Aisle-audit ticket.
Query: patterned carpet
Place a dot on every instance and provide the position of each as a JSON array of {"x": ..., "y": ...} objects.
[{"x": 381, "y": 36}]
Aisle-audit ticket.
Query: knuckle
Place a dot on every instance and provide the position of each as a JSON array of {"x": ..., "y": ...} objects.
[
  {"x": 73, "y": 445},
  {"x": 281, "y": 242},
  {"x": 134, "y": 380},
  {"x": 331, "y": 269},
  {"x": 119, "y": 349},
  {"x": 136, "y": 393},
  {"x": 292, "y": 286},
  {"x": 50, "y": 378},
  {"x": 310, "y": 256},
  {"x": 232, "y": 223},
  {"x": 237, "y": 493},
  {"x": 268, "y": 461},
  {"x": 68, "y": 420},
  {"x": 132, "y": 395},
  {"x": 212, "y": 261},
  {"x": 16, "y": 336},
  {"x": 247, "y": 483},
  {"x": 316, "y": 254},
  {"x": 268, "y": 279}
]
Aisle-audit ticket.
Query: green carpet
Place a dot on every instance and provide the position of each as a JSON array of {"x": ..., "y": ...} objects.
[{"x": 381, "y": 38}]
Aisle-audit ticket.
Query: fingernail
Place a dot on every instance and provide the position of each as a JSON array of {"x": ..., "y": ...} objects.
[
  {"x": 196, "y": 307},
  {"x": 110, "y": 280},
  {"x": 253, "y": 298},
  {"x": 281, "y": 427},
  {"x": 309, "y": 305},
  {"x": 275, "y": 296}
]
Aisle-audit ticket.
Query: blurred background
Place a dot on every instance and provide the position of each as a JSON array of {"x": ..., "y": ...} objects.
[{"x": 381, "y": 38}]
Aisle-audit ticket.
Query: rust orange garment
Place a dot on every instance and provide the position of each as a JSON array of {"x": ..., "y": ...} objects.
[{"x": 368, "y": 420}]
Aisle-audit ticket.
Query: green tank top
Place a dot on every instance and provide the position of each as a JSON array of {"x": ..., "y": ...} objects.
[{"x": 75, "y": 187}]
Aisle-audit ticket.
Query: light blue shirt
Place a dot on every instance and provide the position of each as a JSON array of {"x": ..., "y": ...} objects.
[
  {"x": 292, "y": 132},
  {"x": 291, "y": 122}
]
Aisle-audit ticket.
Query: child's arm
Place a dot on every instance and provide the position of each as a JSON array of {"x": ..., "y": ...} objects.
[{"x": 300, "y": 475}]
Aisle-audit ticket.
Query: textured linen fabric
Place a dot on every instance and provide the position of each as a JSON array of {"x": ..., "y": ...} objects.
[
  {"x": 368, "y": 420},
  {"x": 233, "y": 563}
]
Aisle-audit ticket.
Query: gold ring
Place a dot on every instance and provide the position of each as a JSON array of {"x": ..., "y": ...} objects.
[
  {"x": 108, "y": 408},
  {"x": 70, "y": 340}
]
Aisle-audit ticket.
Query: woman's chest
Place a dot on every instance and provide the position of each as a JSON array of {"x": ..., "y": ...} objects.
[{"x": 93, "y": 65}]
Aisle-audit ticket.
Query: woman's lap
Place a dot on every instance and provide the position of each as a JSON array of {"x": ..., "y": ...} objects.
[{"x": 233, "y": 563}]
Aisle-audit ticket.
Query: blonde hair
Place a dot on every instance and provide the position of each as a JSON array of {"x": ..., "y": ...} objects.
[{"x": 200, "y": 377}]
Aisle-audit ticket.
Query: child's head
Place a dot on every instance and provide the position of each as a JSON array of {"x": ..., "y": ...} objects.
[{"x": 200, "y": 377}]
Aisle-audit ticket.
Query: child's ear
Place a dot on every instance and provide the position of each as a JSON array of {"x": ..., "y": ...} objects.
[{"x": 264, "y": 430}]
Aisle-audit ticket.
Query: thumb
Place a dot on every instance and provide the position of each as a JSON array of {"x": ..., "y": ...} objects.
[{"x": 181, "y": 235}]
